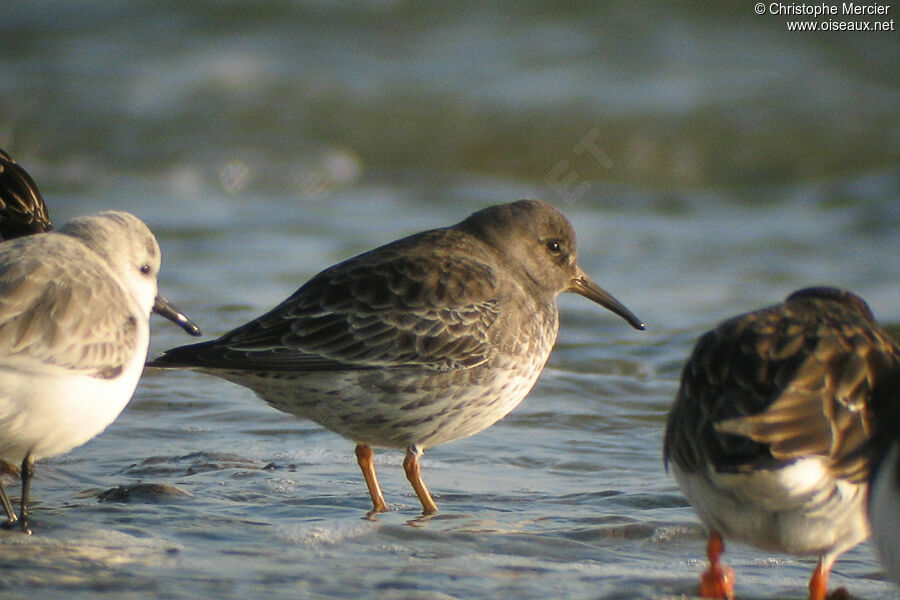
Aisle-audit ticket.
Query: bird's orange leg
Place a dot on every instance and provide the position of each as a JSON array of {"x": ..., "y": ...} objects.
[
  {"x": 818, "y": 583},
  {"x": 414, "y": 475},
  {"x": 718, "y": 580},
  {"x": 364, "y": 456}
]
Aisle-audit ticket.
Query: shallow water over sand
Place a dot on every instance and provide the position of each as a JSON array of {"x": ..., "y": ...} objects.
[{"x": 704, "y": 176}]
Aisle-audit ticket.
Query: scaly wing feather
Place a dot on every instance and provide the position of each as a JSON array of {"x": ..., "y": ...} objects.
[
  {"x": 791, "y": 381},
  {"x": 388, "y": 308}
]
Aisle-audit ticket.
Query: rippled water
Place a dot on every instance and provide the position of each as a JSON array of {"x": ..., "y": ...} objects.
[{"x": 710, "y": 161}]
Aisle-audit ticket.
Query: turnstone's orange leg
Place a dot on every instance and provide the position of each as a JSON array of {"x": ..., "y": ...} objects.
[
  {"x": 414, "y": 475},
  {"x": 718, "y": 580},
  {"x": 818, "y": 583},
  {"x": 364, "y": 456}
]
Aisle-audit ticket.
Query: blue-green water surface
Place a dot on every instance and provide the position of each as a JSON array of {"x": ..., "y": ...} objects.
[{"x": 711, "y": 162}]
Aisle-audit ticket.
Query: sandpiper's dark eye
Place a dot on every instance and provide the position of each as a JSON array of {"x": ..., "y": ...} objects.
[
  {"x": 145, "y": 269},
  {"x": 554, "y": 247}
]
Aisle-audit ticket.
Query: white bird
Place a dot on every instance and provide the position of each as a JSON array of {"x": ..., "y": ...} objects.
[{"x": 74, "y": 332}]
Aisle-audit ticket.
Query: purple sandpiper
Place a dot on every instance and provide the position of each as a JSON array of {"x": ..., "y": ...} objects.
[{"x": 428, "y": 339}]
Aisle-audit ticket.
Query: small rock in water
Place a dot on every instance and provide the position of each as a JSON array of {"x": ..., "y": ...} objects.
[{"x": 142, "y": 492}]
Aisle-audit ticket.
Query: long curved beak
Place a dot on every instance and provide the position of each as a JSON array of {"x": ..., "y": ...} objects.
[
  {"x": 583, "y": 285},
  {"x": 166, "y": 309}
]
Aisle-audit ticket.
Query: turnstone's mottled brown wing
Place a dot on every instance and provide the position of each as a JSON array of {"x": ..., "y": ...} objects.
[
  {"x": 789, "y": 381},
  {"x": 22, "y": 209},
  {"x": 394, "y": 306}
]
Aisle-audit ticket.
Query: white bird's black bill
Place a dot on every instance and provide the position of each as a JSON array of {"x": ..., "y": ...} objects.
[{"x": 166, "y": 309}]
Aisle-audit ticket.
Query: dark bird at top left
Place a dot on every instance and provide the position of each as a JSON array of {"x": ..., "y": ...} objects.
[{"x": 22, "y": 209}]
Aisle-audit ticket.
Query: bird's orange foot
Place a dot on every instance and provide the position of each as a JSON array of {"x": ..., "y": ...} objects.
[{"x": 717, "y": 582}]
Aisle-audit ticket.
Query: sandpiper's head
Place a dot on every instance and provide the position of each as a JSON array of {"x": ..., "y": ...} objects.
[
  {"x": 130, "y": 249},
  {"x": 540, "y": 240}
]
